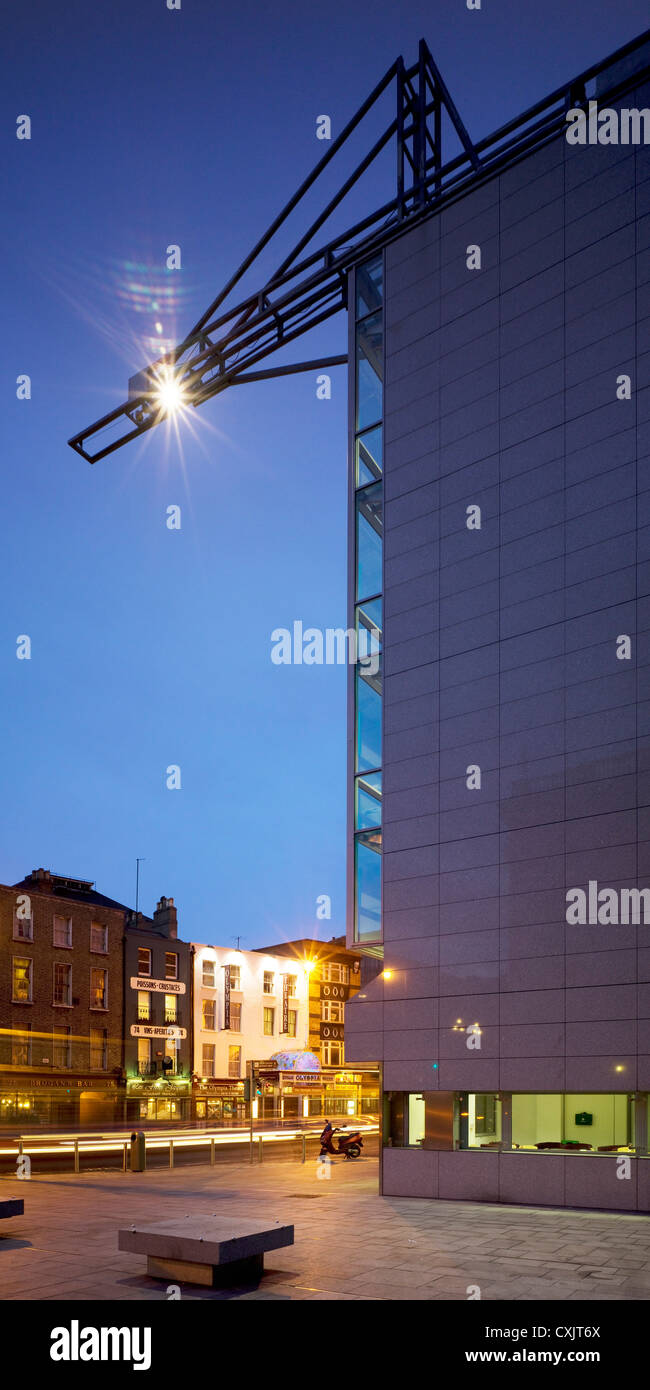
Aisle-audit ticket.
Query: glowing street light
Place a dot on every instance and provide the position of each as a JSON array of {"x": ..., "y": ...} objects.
[{"x": 169, "y": 394}]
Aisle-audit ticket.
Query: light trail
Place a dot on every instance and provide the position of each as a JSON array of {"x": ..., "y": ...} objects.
[{"x": 115, "y": 1143}]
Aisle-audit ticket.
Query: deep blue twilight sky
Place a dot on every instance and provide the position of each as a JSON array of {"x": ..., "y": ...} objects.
[{"x": 151, "y": 646}]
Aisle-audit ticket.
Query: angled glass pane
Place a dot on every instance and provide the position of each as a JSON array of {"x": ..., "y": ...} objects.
[
  {"x": 370, "y": 517},
  {"x": 369, "y": 620},
  {"x": 367, "y": 808},
  {"x": 367, "y": 897},
  {"x": 369, "y": 457},
  {"x": 369, "y": 371},
  {"x": 369, "y": 639},
  {"x": 368, "y": 711},
  {"x": 370, "y": 286}
]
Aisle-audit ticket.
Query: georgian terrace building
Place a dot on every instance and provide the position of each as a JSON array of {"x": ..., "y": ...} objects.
[
  {"x": 157, "y": 1017},
  {"x": 61, "y": 1003},
  {"x": 94, "y": 1008},
  {"x": 247, "y": 1006}
]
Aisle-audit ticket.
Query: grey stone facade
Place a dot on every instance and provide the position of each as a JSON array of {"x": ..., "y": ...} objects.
[{"x": 500, "y": 651}]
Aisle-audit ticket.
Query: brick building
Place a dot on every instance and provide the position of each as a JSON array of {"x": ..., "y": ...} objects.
[
  {"x": 61, "y": 1002},
  {"x": 157, "y": 1017}
]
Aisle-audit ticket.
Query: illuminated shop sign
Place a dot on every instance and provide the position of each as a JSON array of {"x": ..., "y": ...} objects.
[
  {"x": 300, "y": 1078},
  {"x": 66, "y": 1083},
  {"x": 161, "y": 1088},
  {"x": 142, "y": 982},
  {"x": 152, "y": 1030},
  {"x": 227, "y": 982},
  {"x": 220, "y": 1089}
]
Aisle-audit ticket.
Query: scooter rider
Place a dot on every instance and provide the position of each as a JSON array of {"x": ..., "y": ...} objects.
[{"x": 327, "y": 1138}]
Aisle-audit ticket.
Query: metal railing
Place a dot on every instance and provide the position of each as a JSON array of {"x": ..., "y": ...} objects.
[{"x": 100, "y": 1145}]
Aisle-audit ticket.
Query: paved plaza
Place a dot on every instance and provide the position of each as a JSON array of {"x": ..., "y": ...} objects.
[{"x": 350, "y": 1243}]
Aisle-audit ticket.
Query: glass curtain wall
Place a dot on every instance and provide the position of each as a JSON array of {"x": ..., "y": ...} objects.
[{"x": 369, "y": 502}]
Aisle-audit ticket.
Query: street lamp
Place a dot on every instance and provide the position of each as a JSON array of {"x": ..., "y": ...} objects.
[{"x": 169, "y": 395}]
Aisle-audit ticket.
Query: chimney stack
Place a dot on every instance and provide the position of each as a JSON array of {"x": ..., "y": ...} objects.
[
  {"x": 165, "y": 917},
  {"x": 40, "y": 876}
]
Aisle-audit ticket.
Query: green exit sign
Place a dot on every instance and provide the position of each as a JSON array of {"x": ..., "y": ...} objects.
[{"x": 584, "y": 1118}]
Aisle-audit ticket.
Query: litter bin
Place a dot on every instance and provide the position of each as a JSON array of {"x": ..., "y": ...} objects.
[{"x": 138, "y": 1153}]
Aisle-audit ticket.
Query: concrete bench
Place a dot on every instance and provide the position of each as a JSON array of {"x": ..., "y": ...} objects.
[
  {"x": 210, "y": 1250},
  {"x": 12, "y": 1208}
]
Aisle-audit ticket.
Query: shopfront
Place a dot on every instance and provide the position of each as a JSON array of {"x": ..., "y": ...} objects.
[
  {"x": 220, "y": 1102},
  {"x": 353, "y": 1093},
  {"x": 296, "y": 1092},
  {"x": 290, "y": 1094},
  {"x": 161, "y": 1100},
  {"x": 284, "y": 1087},
  {"x": 28, "y": 1101}
]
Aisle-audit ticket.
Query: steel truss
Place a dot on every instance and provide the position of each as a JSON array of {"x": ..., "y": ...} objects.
[{"x": 226, "y": 342}]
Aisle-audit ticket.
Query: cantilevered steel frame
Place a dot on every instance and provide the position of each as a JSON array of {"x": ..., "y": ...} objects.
[{"x": 222, "y": 346}]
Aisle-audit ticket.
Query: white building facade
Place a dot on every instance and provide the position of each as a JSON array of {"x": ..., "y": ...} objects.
[{"x": 247, "y": 1006}]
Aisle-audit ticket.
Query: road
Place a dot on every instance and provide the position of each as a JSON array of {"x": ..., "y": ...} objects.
[{"x": 83, "y": 1151}]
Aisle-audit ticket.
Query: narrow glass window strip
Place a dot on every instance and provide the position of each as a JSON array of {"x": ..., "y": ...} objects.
[
  {"x": 368, "y": 624},
  {"x": 370, "y": 518},
  {"x": 369, "y": 371},
  {"x": 367, "y": 916},
  {"x": 368, "y": 468},
  {"x": 369, "y": 457},
  {"x": 369, "y": 720},
  {"x": 370, "y": 287},
  {"x": 367, "y": 814}
]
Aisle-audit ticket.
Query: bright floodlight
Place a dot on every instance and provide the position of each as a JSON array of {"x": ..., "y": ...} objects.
[{"x": 169, "y": 394}]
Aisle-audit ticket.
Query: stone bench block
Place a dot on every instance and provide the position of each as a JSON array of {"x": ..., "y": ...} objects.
[
  {"x": 12, "y": 1208},
  {"x": 209, "y": 1250}
]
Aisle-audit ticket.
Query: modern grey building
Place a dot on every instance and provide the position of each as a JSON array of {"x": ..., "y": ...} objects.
[{"x": 500, "y": 525}]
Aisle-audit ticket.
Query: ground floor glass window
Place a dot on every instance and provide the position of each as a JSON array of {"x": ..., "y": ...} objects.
[
  {"x": 480, "y": 1121},
  {"x": 595, "y": 1123},
  {"x": 415, "y": 1120},
  {"x": 547, "y": 1121}
]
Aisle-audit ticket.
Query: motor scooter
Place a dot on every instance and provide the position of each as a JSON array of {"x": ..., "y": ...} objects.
[{"x": 350, "y": 1145}]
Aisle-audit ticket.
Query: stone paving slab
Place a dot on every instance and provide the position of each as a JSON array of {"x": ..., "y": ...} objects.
[{"x": 350, "y": 1244}]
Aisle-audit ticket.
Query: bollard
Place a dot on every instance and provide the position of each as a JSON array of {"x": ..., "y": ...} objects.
[
  {"x": 212, "y": 1152},
  {"x": 304, "y": 1148},
  {"x": 171, "y": 1153},
  {"x": 260, "y": 1143},
  {"x": 76, "y": 1155},
  {"x": 138, "y": 1152},
  {"x": 125, "y": 1149}
]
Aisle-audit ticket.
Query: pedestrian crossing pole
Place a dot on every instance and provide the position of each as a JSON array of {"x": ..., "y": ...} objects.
[{"x": 251, "y": 1091}]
